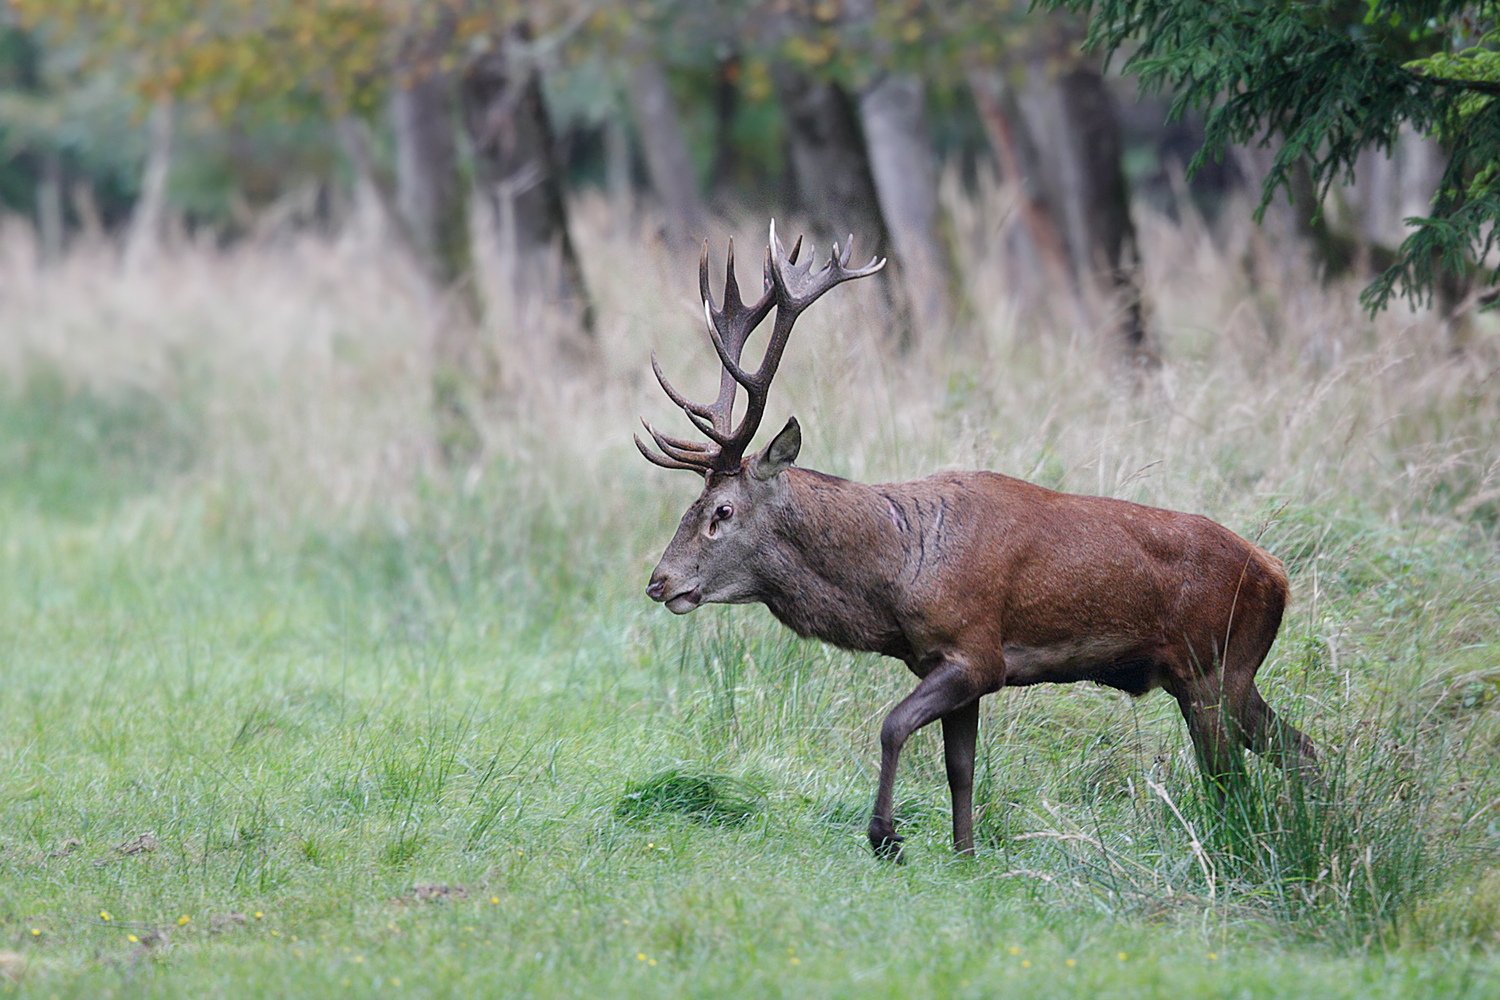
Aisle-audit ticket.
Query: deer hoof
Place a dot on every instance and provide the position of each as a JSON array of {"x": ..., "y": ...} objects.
[{"x": 887, "y": 846}]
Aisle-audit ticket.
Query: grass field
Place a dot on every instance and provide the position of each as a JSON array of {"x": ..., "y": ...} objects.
[{"x": 287, "y": 709}]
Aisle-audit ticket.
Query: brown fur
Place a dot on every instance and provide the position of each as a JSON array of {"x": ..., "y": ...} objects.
[
  {"x": 972, "y": 579},
  {"x": 977, "y": 580}
]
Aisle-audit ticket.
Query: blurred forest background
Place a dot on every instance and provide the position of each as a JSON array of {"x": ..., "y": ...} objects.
[{"x": 463, "y": 132}]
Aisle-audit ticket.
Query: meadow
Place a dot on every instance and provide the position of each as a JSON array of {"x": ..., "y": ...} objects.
[{"x": 287, "y": 707}]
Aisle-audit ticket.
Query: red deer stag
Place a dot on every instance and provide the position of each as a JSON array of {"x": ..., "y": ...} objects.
[{"x": 974, "y": 580}]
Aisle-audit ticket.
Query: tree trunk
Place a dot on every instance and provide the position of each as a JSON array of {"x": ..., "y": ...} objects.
[
  {"x": 673, "y": 176},
  {"x": 722, "y": 172},
  {"x": 49, "y": 209},
  {"x": 430, "y": 190},
  {"x": 834, "y": 185},
  {"x": 893, "y": 113},
  {"x": 376, "y": 213},
  {"x": 617, "y": 172},
  {"x": 1020, "y": 162},
  {"x": 516, "y": 162},
  {"x": 830, "y": 169},
  {"x": 432, "y": 201},
  {"x": 1072, "y": 118},
  {"x": 149, "y": 215}
]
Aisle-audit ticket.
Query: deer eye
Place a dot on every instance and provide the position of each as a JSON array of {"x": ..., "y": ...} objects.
[{"x": 724, "y": 512}]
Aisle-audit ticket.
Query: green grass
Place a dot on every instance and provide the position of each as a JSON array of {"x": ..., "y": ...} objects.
[
  {"x": 403, "y": 733},
  {"x": 316, "y": 735}
]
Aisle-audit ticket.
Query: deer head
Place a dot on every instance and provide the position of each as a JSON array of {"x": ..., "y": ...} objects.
[{"x": 710, "y": 557}]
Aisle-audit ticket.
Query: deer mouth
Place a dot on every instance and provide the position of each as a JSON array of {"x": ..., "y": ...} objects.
[{"x": 681, "y": 604}]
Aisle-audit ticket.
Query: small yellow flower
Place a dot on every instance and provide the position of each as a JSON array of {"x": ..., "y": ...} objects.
[
  {"x": 651, "y": 962},
  {"x": 104, "y": 915},
  {"x": 1121, "y": 956},
  {"x": 258, "y": 915},
  {"x": 640, "y": 956},
  {"x": 278, "y": 934},
  {"x": 796, "y": 960},
  {"x": 1070, "y": 963},
  {"x": 1213, "y": 956},
  {"x": 132, "y": 939},
  {"x": 184, "y": 920},
  {"x": 1025, "y": 963},
  {"x": 36, "y": 932},
  {"x": 1014, "y": 950},
  {"x": 395, "y": 980},
  {"x": 359, "y": 960},
  {"x": 495, "y": 900}
]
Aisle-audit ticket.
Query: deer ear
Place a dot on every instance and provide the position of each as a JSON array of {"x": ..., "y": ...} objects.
[{"x": 780, "y": 453}]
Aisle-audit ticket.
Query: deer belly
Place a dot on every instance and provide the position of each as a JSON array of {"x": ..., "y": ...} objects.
[{"x": 1127, "y": 665}]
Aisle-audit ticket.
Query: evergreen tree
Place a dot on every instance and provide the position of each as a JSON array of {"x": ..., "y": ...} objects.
[{"x": 1330, "y": 79}]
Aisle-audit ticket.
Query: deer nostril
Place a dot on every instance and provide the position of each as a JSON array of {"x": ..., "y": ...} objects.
[{"x": 656, "y": 589}]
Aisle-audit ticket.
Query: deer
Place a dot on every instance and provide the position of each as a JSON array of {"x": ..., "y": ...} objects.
[{"x": 976, "y": 581}]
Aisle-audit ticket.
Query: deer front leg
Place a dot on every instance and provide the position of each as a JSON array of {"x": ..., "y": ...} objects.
[
  {"x": 960, "y": 734},
  {"x": 947, "y": 688}
]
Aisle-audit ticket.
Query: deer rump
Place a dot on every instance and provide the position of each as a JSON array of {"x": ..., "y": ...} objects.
[{"x": 974, "y": 580}]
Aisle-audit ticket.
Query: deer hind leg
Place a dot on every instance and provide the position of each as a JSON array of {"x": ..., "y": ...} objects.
[
  {"x": 948, "y": 687},
  {"x": 1220, "y": 758},
  {"x": 1267, "y": 735},
  {"x": 1256, "y": 726}
]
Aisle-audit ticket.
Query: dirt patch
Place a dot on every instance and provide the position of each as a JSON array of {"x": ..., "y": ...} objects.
[
  {"x": 12, "y": 965},
  {"x": 433, "y": 894},
  {"x": 66, "y": 847},
  {"x": 144, "y": 844},
  {"x": 222, "y": 922}
]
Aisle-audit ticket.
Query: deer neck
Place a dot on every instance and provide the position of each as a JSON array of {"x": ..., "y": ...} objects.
[{"x": 834, "y": 568}]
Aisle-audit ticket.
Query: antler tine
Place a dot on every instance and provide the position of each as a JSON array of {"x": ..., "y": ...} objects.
[
  {"x": 678, "y": 448},
  {"x": 664, "y": 461},
  {"x": 798, "y": 286},
  {"x": 729, "y": 354},
  {"x": 703, "y": 291},
  {"x": 675, "y": 396},
  {"x": 728, "y": 329}
]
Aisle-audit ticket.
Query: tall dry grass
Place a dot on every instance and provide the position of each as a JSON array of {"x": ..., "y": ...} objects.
[{"x": 303, "y": 362}]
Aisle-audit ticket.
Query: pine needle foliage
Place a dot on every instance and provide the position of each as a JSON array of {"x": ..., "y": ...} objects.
[{"x": 1331, "y": 80}]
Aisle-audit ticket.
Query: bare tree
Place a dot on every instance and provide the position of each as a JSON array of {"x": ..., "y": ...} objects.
[
  {"x": 1054, "y": 124},
  {"x": 893, "y": 113},
  {"x": 49, "y": 208},
  {"x": 148, "y": 218},
  {"x": 518, "y": 172},
  {"x": 830, "y": 169},
  {"x": 673, "y": 177},
  {"x": 431, "y": 193}
]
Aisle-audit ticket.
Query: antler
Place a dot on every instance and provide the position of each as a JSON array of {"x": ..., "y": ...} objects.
[{"x": 790, "y": 287}]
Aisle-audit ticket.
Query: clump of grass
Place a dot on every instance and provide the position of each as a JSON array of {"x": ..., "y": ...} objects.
[
  {"x": 710, "y": 799},
  {"x": 1345, "y": 863}
]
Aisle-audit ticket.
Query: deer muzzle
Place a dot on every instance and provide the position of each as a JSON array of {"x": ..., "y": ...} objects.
[{"x": 678, "y": 601}]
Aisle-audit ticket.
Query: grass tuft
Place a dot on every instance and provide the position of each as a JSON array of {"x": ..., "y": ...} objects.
[{"x": 713, "y": 799}]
